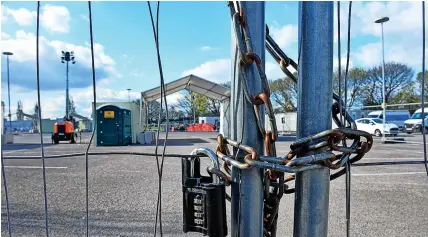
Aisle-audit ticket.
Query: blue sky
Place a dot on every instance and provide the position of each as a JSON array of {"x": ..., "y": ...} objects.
[{"x": 195, "y": 38}]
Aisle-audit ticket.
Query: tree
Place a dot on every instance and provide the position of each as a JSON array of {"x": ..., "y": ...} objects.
[
  {"x": 36, "y": 115},
  {"x": 72, "y": 107},
  {"x": 419, "y": 79},
  {"x": 356, "y": 80},
  {"x": 284, "y": 93},
  {"x": 3, "y": 107},
  {"x": 19, "y": 110},
  {"x": 153, "y": 109},
  {"x": 200, "y": 103},
  {"x": 398, "y": 77}
]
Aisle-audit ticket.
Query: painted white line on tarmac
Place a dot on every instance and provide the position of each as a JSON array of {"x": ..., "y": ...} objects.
[
  {"x": 12, "y": 151},
  {"x": 384, "y": 174},
  {"x": 393, "y": 158},
  {"x": 34, "y": 167},
  {"x": 395, "y": 183}
]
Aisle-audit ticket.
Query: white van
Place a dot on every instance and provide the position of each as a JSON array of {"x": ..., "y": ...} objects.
[
  {"x": 414, "y": 124},
  {"x": 396, "y": 117}
]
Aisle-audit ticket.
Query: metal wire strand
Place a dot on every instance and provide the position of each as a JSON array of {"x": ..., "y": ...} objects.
[
  {"x": 423, "y": 87},
  {"x": 40, "y": 119},
  {"x": 6, "y": 194},
  {"x": 339, "y": 61},
  {"x": 348, "y": 198},
  {"x": 95, "y": 124},
  {"x": 348, "y": 164},
  {"x": 163, "y": 98}
]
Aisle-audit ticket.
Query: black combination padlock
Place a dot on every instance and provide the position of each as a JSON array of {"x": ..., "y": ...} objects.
[{"x": 204, "y": 198}]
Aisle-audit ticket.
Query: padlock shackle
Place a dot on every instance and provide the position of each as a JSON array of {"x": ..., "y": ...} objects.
[{"x": 214, "y": 160}]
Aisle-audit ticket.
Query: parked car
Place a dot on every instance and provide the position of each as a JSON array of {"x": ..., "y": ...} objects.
[
  {"x": 375, "y": 126},
  {"x": 397, "y": 117},
  {"x": 414, "y": 124}
]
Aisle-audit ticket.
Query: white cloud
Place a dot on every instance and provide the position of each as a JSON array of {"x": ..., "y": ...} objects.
[
  {"x": 22, "y": 16},
  {"x": 273, "y": 71},
  {"x": 4, "y": 17},
  {"x": 55, "y": 18},
  {"x": 217, "y": 70},
  {"x": 342, "y": 63},
  {"x": 23, "y": 45},
  {"x": 174, "y": 98},
  {"x": 4, "y": 36},
  {"x": 285, "y": 35},
  {"x": 371, "y": 54},
  {"x": 207, "y": 48},
  {"x": 24, "y": 48},
  {"x": 404, "y": 17}
]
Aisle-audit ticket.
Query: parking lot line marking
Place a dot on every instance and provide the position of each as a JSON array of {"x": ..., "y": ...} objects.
[
  {"x": 11, "y": 151},
  {"x": 380, "y": 174},
  {"x": 393, "y": 158},
  {"x": 34, "y": 167}
]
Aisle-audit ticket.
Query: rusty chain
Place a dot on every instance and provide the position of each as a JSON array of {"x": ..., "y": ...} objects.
[
  {"x": 335, "y": 157},
  {"x": 274, "y": 175},
  {"x": 250, "y": 59}
]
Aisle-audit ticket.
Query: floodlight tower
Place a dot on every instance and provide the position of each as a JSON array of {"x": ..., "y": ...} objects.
[
  {"x": 66, "y": 58},
  {"x": 8, "y": 88},
  {"x": 381, "y": 21}
]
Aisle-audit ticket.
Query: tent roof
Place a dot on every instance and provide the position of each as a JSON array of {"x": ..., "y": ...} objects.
[{"x": 192, "y": 83}]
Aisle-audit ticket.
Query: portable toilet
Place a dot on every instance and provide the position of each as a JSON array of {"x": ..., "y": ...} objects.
[{"x": 113, "y": 125}]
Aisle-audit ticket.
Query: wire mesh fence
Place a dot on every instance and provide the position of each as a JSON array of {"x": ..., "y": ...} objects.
[{"x": 337, "y": 149}]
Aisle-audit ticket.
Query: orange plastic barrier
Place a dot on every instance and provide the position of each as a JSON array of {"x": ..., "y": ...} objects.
[{"x": 200, "y": 127}]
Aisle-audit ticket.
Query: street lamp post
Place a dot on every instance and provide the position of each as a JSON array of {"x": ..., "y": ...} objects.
[
  {"x": 65, "y": 58},
  {"x": 8, "y": 88},
  {"x": 381, "y": 21},
  {"x": 129, "y": 98}
]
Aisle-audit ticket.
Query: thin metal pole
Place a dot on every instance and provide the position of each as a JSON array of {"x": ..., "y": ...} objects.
[
  {"x": 66, "y": 92},
  {"x": 194, "y": 109},
  {"x": 383, "y": 86},
  {"x": 247, "y": 186},
  {"x": 423, "y": 88},
  {"x": 314, "y": 113},
  {"x": 8, "y": 94}
]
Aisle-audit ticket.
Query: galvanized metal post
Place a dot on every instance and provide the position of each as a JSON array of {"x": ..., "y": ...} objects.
[
  {"x": 67, "y": 103},
  {"x": 8, "y": 95},
  {"x": 225, "y": 118},
  {"x": 383, "y": 89},
  {"x": 247, "y": 186},
  {"x": 314, "y": 113}
]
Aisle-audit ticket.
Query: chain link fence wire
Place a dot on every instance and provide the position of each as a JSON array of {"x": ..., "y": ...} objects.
[
  {"x": 274, "y": 166},
  {"x": 45, "y": 196}
]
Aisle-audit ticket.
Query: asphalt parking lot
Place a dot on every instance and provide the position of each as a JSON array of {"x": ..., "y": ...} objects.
[{"x": 386, "y": 200}]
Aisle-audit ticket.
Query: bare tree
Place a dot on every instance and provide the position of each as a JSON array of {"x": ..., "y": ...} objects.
[
  {"x": 72, "y": 109},
  {"x": 356, "y": 81},
  {"x": 19, "y": 111},
  {"x": 36, "y": 115},
  {"x": 284, "y": 94},
  {"x": 398, "y": 77}
]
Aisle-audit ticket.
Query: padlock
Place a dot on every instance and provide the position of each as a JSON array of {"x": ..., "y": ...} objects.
[{"x": 204, "y": 197}]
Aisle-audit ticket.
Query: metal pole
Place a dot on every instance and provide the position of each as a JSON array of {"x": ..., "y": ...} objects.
[
  {"x": 8, "y": 94},
  {"x": 314, "y": 113},
  {"x": 383, "y": 87},
  {"x": 247, "y": 186},
  {"x": 66, "y": 92},
  {"x": 194, "y": 109}
]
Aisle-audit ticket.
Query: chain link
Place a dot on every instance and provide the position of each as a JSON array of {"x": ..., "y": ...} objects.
[
  {"x": 250, "y": 59},
  {"x": 275, "y": 167}
]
